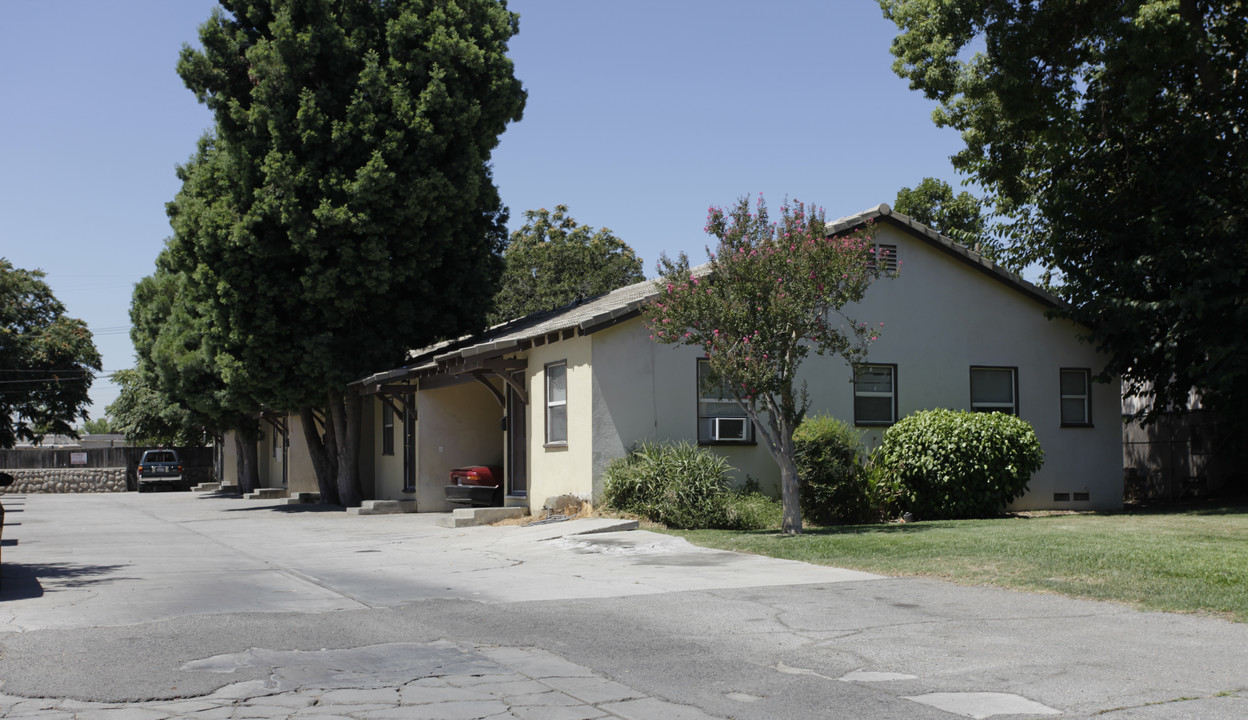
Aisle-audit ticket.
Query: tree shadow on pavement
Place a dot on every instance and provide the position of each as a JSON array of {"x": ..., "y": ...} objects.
[{"x": 21, "y": 581}]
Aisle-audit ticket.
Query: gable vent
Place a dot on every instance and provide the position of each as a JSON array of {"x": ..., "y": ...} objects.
[{"x": 883, "y": 256}]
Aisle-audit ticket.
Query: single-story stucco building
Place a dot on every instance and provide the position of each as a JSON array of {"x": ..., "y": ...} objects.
[{"x": 553, "y": 397}]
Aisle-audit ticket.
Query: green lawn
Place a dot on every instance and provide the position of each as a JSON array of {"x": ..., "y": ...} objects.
[{"x": 1192, "y": 559}]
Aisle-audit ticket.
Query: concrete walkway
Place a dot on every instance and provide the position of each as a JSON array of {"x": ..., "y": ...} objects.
[{"x": 182, "y": 605}]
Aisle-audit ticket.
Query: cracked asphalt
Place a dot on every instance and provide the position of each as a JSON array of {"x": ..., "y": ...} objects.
[{"x": 182, "y": 605}]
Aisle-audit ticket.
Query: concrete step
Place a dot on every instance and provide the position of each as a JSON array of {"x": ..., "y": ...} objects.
[
  {"x": 303, "y": 498},
  {"x": 470, "y": 517},
  {"x": 207, "y": 487},
  {"x": 383, "y": 507},
  {"x": 229, "y": 489},
  {"x": 266, "y": 494}
]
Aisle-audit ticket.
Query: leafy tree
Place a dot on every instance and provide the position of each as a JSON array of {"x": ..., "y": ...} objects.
[
  {"x": 98, "y": 426},
  {"x": 344, "y": 210},
  {"x": 770, "y": 294},
  {"x": 959, "y": 216},
  {"x": 147, "y": 417},
  {"x": 179, "y": 343},
  {"x": 553, "y": 260},
  {"x": 47, "y": 360},
  {"x": 1114, "y": 139}
]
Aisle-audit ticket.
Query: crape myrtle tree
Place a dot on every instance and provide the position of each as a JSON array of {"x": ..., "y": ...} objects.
[
  {"x": 1113, "y": 139},
  {"x": 360, "y": 216},
  {"x": 771, "y": 294},
  {"x": 553, "y": 260},
  {"x": 47, "y": 360}
]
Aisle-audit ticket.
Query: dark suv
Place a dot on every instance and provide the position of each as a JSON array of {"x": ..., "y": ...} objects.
[{"x": 160, "y": 467}]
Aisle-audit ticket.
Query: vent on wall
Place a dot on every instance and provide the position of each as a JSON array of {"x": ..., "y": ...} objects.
[
  {"x": 1081, "y": 497},
  {"x": 889, "y": 255},
  {"x": 1061, "y": 497}
]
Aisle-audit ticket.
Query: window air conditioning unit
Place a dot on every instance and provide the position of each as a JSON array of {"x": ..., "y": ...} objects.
[{"x": 729, "y": 428}]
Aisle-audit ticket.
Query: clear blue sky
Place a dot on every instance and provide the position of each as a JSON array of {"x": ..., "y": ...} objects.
[{"x": 640, "y": 115}]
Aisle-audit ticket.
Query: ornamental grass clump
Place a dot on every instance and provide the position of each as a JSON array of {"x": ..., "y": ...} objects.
[
  {"x": 683, "y": 486},
  {"x": 945, "y": 464}
]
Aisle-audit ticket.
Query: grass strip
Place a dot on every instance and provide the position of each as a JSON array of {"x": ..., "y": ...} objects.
[{"x": 1192, "y": 559}]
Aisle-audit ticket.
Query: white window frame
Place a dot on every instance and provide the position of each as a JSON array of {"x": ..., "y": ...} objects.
[
  {"x": 1085, "y": 396},
  {"x": 556, "y": 406},
  {"x": 891, "y": 395},
  {"x": 1010, "y": 407}
]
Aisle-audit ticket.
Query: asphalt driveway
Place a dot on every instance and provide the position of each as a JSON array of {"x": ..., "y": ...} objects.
[{"x": 186, "y": 605}]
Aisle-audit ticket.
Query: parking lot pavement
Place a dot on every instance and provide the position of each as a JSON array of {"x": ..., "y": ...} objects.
[
  {"x": 434, "y": 681},
  {"x": 96, "y": 560},
  {"x": 177, "y": 605}
]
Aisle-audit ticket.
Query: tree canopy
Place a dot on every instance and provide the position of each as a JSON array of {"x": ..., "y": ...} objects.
[
  {"x": 772, "y": 293},
  {"x": 1112, "y": 139},
  {"x": 961, "y": 217},
  {"x": 342, "y": 210},
  {"x": 147, "y": 417},
  {"x": 553, "y": 260},
  {"x": 47, "y": 360}
]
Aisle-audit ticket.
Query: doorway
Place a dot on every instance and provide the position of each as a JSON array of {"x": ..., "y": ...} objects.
[{"x": 517, "y": 441}]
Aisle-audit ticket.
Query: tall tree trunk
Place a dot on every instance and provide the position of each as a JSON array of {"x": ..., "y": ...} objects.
[
  {"x": 790, "y": 496},
  {"x": 345, "y": 411},
  {"x": 778, "y": 437},
  {"x": 323, "y": 450}
]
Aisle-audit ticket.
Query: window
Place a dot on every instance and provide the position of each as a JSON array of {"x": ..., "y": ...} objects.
[
  {"x": 875, "y": 394},
  {"x": 720, "y": 418},
  {"x": 387, "y": 428},
  {"x": 557, "y": 403},
  {"x": 1076, "y": 405},
  {"x": 994, "y": 389}
]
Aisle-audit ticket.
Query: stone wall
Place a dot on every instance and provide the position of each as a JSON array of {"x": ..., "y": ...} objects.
[{"x": 67, "y": 480}]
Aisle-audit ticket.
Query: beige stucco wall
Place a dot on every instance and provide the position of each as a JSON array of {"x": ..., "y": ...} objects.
[
  {"x": 646, "y": 391},
  {"x": 301, "y": 477},
  {"x": 458, "y": 425},
  {"x": 940, "y": 318},
  {"x": 565, "y": 470}
]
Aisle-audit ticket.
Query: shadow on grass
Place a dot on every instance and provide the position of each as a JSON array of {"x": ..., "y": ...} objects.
[{"x": 1238, "y": 506}]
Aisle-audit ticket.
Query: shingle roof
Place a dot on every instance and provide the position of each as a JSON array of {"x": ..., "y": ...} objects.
[{"x": 627, "y": 301}]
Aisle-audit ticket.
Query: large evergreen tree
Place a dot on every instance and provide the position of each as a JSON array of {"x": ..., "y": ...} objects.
[
  {"x": 47, "y": 360},
  {"x": 1114, "y": 140},
  {"x": 344, "y": 210}
]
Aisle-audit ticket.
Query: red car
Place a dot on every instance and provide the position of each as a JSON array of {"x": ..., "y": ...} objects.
[{"x": 476, "y": 485}]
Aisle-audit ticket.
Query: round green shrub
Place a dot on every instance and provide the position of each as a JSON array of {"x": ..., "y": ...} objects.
[
  {"x": 957, "y": 464},
  {"x": 679, "y": 485},
  {"x": 834, "y": 487},
  {"x": 752, "y": 510}
]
